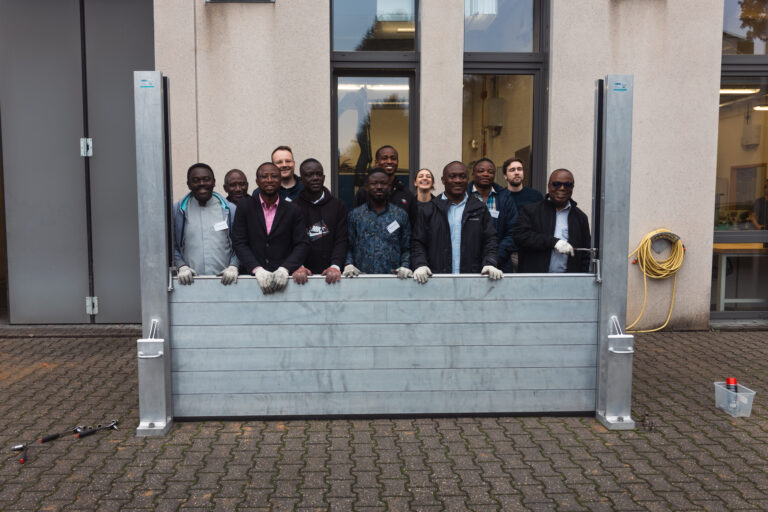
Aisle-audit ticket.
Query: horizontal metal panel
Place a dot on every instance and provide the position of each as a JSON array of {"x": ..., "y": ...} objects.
[
  {"x": 351, "y": 335},
  {"x": 477, "y": 356},
  {"x": 370, "y": 287},
  {"x": 337, "y": 381},
  {"x": 382, "y": 312},
  {"x": 418, "y": 402}
]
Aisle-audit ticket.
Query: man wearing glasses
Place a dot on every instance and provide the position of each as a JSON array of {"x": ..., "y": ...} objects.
[
  {"x": 547, "y": 232},
  {"x": 201, "y": 224}
]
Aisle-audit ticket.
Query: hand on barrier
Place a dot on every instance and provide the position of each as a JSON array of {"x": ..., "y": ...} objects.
[
  {"x": 403, "y": 273},
  {"x": 301, "y": 274},
  {"x": 564, "y": 247},
  {"x": 351, "y": 271},
  {"x": 332, "y": 275},
  {"x": 422, "y": 274},
  {"x": 264, "y": 278},
  {"x": 186, "y": 275},
  {"x": 228, "y": 275},
  {"x": 492, "y": 272},
  {"x": 279, "y": 279}
]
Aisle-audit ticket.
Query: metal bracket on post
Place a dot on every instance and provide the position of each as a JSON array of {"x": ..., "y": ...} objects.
[
  {"x": 153, "y": 418},
  {"x": 614, "y": 348},
  {"x": 617, "y": 415},
  {"x": 154, "y": 350}
]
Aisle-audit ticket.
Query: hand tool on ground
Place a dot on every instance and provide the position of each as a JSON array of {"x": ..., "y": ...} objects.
[{"x": 110, "y": 426}]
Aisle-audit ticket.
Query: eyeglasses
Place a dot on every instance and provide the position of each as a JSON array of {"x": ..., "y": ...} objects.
[{"x": 565, "y": 184}]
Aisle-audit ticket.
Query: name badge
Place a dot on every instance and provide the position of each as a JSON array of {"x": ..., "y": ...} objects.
[
  {"x": 494, "y": 213},
  {"x": 394, "y": 226},
  {"x": 220, "y": 226}
]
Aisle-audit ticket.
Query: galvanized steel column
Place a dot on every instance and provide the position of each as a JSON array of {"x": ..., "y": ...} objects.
[
  {"x": 155, "y": 393},
  {"x": 614, "y": 378}
]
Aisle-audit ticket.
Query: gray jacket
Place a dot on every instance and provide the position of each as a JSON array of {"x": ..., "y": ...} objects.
[{"x": 180, "y": 222}]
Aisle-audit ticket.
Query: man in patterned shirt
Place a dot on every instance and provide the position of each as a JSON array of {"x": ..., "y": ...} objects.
[{"x": 379, "y": 233}]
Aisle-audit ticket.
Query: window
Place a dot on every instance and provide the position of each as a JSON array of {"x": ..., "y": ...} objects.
[
  {"x": 374, "y": 25},
  {"x": 505, "y": 63},
  {"x": 499, "y": 26},
  {"x": 740, "y": 251},
  {"x": 375, "y": 75},
  {"x": 372, "y": 112}
]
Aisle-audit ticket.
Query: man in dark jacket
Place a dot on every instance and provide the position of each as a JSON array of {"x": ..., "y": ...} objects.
[
  {"x": 325, "y": 219},
  {"x": 547, "y": 232},
  {"x": 454, "y": 233},
  {"x": 399, "y": 194},
  {"x": 268, "y": 233},
  {"x": 500, "y": 205}
]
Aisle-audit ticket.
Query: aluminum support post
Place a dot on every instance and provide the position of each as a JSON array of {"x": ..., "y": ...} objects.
[
  {"x": 154, "y": 362},
  {"x": 615, "y": 349}
]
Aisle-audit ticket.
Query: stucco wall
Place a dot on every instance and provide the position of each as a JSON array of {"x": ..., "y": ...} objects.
[
  {"x": 442, "y": 71},
  {"x": 245, "y": 78},
  {"x": 673, "y": 50}
]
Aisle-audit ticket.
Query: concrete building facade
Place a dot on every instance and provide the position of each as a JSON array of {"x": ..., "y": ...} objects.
[{"x": 246, "y": 77}]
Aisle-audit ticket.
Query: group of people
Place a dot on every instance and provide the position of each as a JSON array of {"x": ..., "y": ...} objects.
[{"x": 292, "y": 227}]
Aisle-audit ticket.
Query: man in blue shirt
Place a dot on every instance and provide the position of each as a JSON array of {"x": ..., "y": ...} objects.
[
  {"x": 379, "y": 233},
  {"x": 500, "y": 205},
  {"x": 454, "y": 233}
]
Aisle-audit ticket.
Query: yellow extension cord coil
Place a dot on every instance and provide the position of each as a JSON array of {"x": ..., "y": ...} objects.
[{"x": 658, "y": 269}]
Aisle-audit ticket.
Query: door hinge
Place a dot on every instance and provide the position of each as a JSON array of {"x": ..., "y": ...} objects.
[
  {"x": 86, "y": 147},
  {"x": 91, "y": 305}
]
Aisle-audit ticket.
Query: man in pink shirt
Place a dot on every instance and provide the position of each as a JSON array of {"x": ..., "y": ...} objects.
[{"x": 269, "y": 233}]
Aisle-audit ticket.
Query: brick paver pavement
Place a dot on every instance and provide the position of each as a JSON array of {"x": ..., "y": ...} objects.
[{"x": 685, "y": 454}]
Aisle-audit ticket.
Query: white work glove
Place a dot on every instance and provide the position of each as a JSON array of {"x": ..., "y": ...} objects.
[
  {"x": 264, "y": 278},
  {"x": 186, "y": 275},
  {"x": 404, "y": 273},
  {"x": 564, "y": 247},
  {"x": 279, "y": 279},
  {"x": 494, "y": 274},
  {"x": 351, "y": 271},
  {"x": 228, "y": 275},
  {"x": 422, "y": 274}
]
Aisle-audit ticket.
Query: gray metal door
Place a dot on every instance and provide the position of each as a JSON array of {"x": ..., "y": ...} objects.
[
  {"x": 54, "y": 259},
  {"x": 119, "y": 40},
  {"x": 41, "y": 113}
]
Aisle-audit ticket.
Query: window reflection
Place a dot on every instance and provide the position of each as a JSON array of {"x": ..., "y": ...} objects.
[
  {"x": 498, "y": 26},
  {"x": 498, "y": 120},
  {"x": 373, "y": 25},
  {"x": 740, "y": 267},
  {"x": 372, "y": 112},
  {"x": 745, "y": 27},
  {"x": 742, "y": 156}
]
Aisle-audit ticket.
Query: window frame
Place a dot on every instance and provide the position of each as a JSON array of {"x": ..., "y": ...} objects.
[
  {"x": 525, "y": 63},
  {"x": 378, "y": 63}
]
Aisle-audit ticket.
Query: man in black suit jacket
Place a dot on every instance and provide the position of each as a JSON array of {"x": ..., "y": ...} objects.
[{"x": 268, "y": 233}]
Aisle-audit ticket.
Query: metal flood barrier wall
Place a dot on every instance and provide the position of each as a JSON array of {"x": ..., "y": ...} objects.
[{"x": 377, "y": 345}]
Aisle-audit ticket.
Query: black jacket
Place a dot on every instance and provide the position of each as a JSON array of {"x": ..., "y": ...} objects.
[
  {"x": 326, "y": 227},
  {"x": 399, "y": 195},
  {"x": 533, "y": 233},
  {"x": 507, "y": 209},
  {"x": 285, "y": 246},
  {"x": 431, "y": 238}
]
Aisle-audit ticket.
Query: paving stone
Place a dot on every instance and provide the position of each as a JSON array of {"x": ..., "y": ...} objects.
[{"x": 694, "y": 458}]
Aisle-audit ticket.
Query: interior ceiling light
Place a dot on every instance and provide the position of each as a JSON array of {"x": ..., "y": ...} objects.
[
  {"x": 760, "y": 107},
  {"x": 374, "y": 87},
  {"x": 739, "y": 91}
]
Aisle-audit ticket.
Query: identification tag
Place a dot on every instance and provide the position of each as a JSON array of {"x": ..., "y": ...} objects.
[
  {"x": 494, "y": 213},
  {"x": 220, "y": 226},
  {"x": 394, "y": 226}
]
